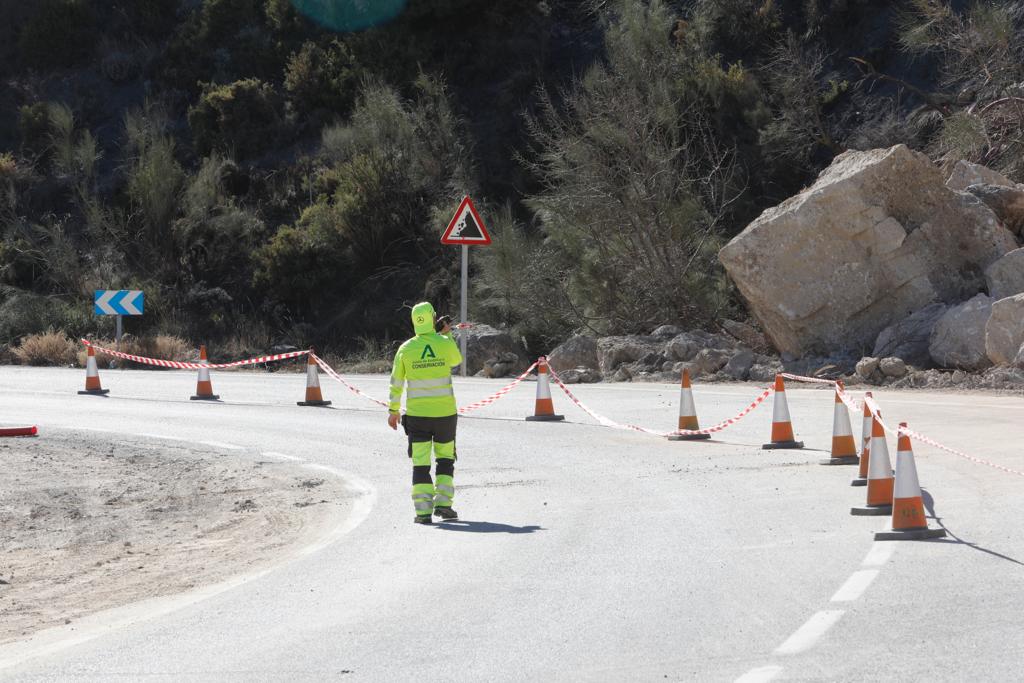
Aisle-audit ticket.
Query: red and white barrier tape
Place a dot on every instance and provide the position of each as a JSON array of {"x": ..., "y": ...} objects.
[
  {"x": 194, "y": 366},
  {"x": 498, "y": 394},
  {"x": 335, "y": 376},
  {"x": 858, "y": 406},
  {"x": 679, "y": 432}
]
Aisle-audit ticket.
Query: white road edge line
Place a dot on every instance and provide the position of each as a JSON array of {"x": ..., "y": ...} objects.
[
  {"x": 60, "y": 638},
  {"x": 225, "y": 446},
  {"x": 807, "y": 635},
  {"x": 855, "y": 585},
  {"x": 282, "y": 456},
  {"x": 761, "y": 674}
]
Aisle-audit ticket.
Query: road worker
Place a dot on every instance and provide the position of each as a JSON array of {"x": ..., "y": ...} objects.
[{"x": 425, "y": 363}]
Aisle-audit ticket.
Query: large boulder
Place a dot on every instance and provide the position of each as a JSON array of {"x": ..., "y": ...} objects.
[
  {"x": 1007, "y": 203},
  {"x": 1005, "y": 277},
  {"x": 576, "y": 352},
  {"x": 965, "y": 174},
  {"x": 745, "y": 333},
  {"x": 1004, "y": 332},
  {"x": 908, "y": 339},
  {"x": 614, "y": 351},
  {"x": 958, "y": 340},
  {"x": 879, "y": 235},
  {"x": 485, "y": 343}
]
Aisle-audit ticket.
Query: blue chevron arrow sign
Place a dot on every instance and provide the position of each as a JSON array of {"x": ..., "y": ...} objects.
[{"x": 119, "y": 302}]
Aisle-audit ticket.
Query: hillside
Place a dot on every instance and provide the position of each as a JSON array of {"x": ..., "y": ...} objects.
[{"x": 279, "y": 172}]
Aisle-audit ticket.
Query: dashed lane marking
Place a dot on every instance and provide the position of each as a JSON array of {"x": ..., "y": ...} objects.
[
  {"x": 807, "y": 635},
  {"x": 761, "y": 674},
  {"x": 855, "y": 585}
]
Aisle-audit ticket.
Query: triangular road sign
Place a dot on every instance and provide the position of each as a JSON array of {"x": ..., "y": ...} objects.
[{"x": 467, "y": 227}]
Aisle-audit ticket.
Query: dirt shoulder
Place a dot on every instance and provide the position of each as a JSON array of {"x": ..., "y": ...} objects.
[{"x": 90, "y": 522}]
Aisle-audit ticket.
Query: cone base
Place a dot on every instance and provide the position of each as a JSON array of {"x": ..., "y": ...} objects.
[
  {"x": 859, "y": 482},
  {"x": 545, "y": 418},
  {"x": 314, "y": 403},
  {"x": 871, "y": 511},
  {"x": 845, "y": 460},
  {"x": 19, "y": 431},
  {"x": 909, "y": 534},
  {"x": 782, "y": 444},
  {"x": 689, "y": 437},
  {"x": 94, "y": 392},
  {"x": 209, "y": 397}
]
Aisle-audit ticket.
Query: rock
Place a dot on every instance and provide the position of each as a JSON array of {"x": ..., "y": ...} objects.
[
  {"x": 485, "y": 343},
  {"x": 666, "y": 332},
  {"x": 709, "y": 361},
  {"x": 1007, "y": 203},
  {"x": 581, "y": 375},
  {"x": 1004, "y": 331},
  {"x": 576, "y": 352},
  {"x": 908, "y": 339},
  {"x": 762, "y": 373},
  {"x": 614, "y": 351},
  {"x": 892, "y": 367},
  {"x": 958, "y": 340},
  {"x": 502, "y": 366},
  {"x": 746, "y": 334},
  {"x": 683, "y": 347},
  {"x": 878, "y": 236},
  {"x": 965, "y": 174},
  {"x": 622, "y": 375},
  {"x": 866, "y": 367},
  {"x": 738, "y": 367},
  {"x": 1005, "y": 277}
]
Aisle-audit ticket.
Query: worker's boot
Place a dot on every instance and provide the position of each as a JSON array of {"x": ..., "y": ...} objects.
[
  {"x": 445, "y": 512},
  {"x": 423, "y": 519}
]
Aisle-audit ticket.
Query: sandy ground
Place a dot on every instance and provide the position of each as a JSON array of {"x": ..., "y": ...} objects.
[{"x": 89, "y": 522}]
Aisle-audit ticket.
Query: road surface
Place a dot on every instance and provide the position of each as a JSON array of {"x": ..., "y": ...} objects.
[{"x": 585, "y": 554}]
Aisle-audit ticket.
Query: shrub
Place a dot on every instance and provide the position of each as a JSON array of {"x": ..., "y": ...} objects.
[
  {"x": 49, "y": 348},
  {"x": 318, "y": 77},
  {"x": 162, "y": 346},
  {"x": 62, "y": 33},
  {"x": 34, "y": 127},
  {"x": 24, "y": 313},
  {"x": 242, "y": 118}
]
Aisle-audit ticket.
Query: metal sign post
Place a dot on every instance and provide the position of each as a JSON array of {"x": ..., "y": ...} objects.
[
  {"x": 466, "y": 229},
  {"x": 120, "y": 319},
  {"x": 464, "y": 313}
]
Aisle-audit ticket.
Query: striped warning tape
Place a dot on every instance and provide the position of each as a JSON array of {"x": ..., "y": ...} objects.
[
  {"x": 180, "y": 365},
  {"x": 858, "y": 406},
  {"x": 498, "y": 394},
  {"x": 335, "y": 376},
  {"x": 607, "y": 422}
]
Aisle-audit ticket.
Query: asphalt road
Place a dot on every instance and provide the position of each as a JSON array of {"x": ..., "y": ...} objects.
[{"x": 585, "y": 553}]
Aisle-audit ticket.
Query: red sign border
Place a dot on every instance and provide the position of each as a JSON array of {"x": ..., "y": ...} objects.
[{"x": 446, "y": 237}]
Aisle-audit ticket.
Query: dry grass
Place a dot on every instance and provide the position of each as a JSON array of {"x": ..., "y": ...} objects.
[
  {"x": 50, "y": 348},
  {"x": 164, "y": 347}
]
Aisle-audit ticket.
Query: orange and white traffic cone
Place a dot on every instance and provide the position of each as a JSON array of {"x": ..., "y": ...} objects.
[
  {"x": 687, "y": 412},
  {"x": 313, "y": 395},
  {"x": 908, "y": 520},
  {"x": 204, "y": 388},
  {"x": 880, "y": 479},
  {"x": 92, "y": 377},
  {"x": 865, "y": 449},
  {"x": 544, "y": 409},
  {"x": 782, "y": 428},
  {"x": 844, "y": 448}
]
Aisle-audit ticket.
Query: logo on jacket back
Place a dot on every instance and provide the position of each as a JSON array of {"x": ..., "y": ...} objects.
[{"x": 427, "y": 353}]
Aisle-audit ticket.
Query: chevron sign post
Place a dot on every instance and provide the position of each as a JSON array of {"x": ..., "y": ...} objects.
[{"x": 119, "y": 302}]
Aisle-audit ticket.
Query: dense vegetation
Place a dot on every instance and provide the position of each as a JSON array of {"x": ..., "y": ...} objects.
[{"x": 266, "y": 179}]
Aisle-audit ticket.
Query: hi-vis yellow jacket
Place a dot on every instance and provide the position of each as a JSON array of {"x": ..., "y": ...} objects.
[{"x": 425, "y": 363}]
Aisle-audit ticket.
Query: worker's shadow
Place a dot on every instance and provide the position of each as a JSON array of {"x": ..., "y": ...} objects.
[
  {"x": 486, "y": 527},
  {"x": 929, "y": 504}
]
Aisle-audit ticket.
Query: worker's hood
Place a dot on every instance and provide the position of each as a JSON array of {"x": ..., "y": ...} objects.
[{"x": 423, "y": 318}]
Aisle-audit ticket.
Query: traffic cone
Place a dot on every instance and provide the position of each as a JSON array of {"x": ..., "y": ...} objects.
[
  {"x": 880, "y": 479},
  {"x": 544, "y": 409},
  {"x": 313, "y": 395},
  {"x": 908, "y": 520},
  {"x": 865, "y": 450},
  {"x": 92, "y": 376},
  {"x": 782, "y": 428},
  {"x": 844, "y": 449},
  {"x": 687, "y": 412},
  {"x": 204, "y": 389}
]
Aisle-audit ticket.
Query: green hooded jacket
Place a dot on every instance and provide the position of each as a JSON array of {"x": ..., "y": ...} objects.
[{"x": 425, "y": 363}]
